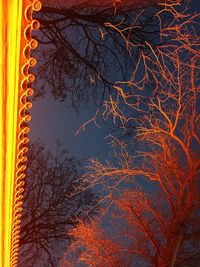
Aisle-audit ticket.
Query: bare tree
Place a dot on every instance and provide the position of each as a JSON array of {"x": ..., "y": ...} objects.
[
  {"x": 48, "y": 211},
  {"x": 150, "y": 195},
  {"x": 87, "y": 46},
  {"x": 112, "y": 54}
]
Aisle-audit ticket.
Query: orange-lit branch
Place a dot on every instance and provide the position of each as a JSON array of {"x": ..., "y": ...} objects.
[
  {"x": 16, "y": 25},
  {"x": 150, "y": 226}
]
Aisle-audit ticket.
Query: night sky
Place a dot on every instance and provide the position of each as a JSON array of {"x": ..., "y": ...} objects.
[{"x": 52, "y": 121}]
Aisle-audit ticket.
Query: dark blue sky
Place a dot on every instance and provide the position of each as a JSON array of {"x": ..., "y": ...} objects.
[{"x": 52, "y": 121}]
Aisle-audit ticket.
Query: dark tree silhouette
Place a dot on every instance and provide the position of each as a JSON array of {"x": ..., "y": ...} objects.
[
  {"x": 112, "y": 54},
  {"x": 48, "y": 211},
  {"x": 87, "y": 46}
]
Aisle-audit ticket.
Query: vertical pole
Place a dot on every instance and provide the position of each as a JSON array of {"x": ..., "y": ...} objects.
[
  {"x": 10, "y": 35},
  {"x": 16, "y": 25}
]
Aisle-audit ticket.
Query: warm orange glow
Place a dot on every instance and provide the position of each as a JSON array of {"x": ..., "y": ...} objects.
[{"x": 15, "y": 17}]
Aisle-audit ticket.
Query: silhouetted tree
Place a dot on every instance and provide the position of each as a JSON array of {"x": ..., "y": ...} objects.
[
  {"x": 48, "y": 211},
  {"x": 151, "y": 201},
  {"x": 86, "y": 47}
]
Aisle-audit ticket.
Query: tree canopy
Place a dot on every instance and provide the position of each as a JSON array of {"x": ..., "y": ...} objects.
[
  {"x": 87, "y": 47},
  {"x": 139, "y": 62},
  {"x": 150, "y": 204},
  {"x": 49, "y": 209}
]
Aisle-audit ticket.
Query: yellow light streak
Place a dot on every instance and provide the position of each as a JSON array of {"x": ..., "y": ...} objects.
[
  {"x": 9, "y": 57},
  {"x": 15, "y": 16}
]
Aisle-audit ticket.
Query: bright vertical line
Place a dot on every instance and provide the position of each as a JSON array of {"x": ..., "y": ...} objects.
[
  {"x": 13, "y": 39},
  {"x": 10, "y": 34},
  {"x": 1, "y": 132}
]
